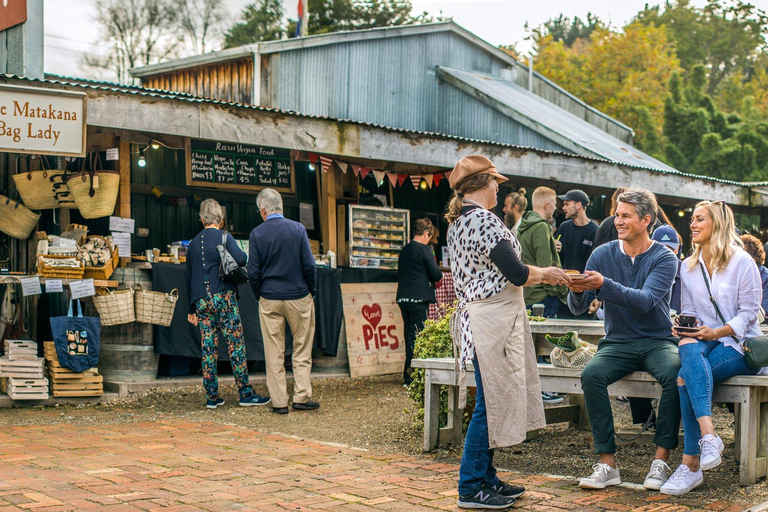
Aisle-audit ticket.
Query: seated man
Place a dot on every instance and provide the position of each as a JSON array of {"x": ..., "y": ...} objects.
[{"x": 632, "y": 277}]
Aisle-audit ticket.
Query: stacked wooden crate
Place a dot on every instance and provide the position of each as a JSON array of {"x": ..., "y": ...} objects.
[
  {"x": 65, "y": 382},
  {"x": 21, "y": 371}
]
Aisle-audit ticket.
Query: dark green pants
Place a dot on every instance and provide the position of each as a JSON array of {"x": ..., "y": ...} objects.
[{"x": 618, "y": 358}]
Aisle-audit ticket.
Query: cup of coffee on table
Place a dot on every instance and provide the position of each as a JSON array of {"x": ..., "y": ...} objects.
[
  {"x": 686, "y": 321},
  {"x": 537, "y": 309}
]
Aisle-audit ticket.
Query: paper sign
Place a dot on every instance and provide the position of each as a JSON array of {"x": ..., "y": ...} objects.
[
  {"x": 307, "y": 215},
  {"x": 30, "y": 286},
  {"x": 53, "y": 286},
  {"x": 121, "y": 224},
  {"x": 123, "y": 243},
  {"x": 113, "y": 154},
  {"x": 82, "y": 288},
  {"x": 446, "y": 257}
]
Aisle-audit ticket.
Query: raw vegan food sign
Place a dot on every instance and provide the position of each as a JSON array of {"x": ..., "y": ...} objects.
[
  {"x": 375, "y": 341},
  {"x": 42, "y": 121}
]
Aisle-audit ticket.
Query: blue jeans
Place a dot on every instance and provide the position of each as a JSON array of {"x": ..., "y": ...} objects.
[
  {"x": 477, "y": 460},
  {"x": 551, "y": 306},
  {"x": 704, "y": 364}
]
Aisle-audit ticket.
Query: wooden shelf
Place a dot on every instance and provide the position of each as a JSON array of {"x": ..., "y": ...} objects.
[{"x": 15, "y": 279}]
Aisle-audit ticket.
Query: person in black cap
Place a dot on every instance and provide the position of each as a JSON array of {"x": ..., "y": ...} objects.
[{"x": 577, "y": 236}]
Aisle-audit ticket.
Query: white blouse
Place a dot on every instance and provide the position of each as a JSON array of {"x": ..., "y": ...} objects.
[{"x": 738, "y": 291}]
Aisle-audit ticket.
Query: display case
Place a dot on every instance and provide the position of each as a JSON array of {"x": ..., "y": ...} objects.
[{"x": 377, "y": 235}]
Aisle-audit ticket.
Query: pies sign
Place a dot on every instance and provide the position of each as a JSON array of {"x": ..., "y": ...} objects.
[
  {"x": 374, "y": 328},
  {"x": 12, "y": 13}
]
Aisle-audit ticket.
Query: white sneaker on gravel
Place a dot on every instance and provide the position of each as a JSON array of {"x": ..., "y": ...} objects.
[
  {"x": 602, "y": 476},
  {"x": 657, "y": 475},
  {"x": 682, "y": 481},
  {"x": 711, "y": 450}
]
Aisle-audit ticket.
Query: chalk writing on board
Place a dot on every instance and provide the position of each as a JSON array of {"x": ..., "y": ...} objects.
[{"x": 240, "y": 164}]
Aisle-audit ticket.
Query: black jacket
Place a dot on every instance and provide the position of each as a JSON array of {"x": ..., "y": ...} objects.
[{"x": 417, "y": 271}]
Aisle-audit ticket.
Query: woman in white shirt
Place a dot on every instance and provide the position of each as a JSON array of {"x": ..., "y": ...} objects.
[{"x": 711, "y": 352}]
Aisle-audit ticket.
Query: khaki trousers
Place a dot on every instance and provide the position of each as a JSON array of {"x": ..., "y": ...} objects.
[{"x": 300, "y": 316}]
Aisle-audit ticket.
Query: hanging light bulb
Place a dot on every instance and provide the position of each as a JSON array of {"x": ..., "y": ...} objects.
[
  {"x": 155, "y": 145},
  {"x": 681, "y": 213},
  {"x": 423, "y": 185},
  {"x": 142, "y": 161},
  {"x": 311, "y": 167}
]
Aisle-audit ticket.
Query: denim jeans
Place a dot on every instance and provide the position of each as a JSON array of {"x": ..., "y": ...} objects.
[
  {"x": 477, "y": 460},
  {"x": 704, "y": 364},
  {"x": 551, "y": 306}
]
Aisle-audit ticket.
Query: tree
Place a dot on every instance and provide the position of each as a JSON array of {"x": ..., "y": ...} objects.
[
  {"x": 261, "y": 21},
  {"x": 567, "y": 31},
  {"x": 140, "y": 32},
  {"x": 202, "y": 21}
]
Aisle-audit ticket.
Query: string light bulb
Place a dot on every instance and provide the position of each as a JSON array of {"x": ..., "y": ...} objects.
[
  {"x": 142, "y": 161},
  {"x": 423, "y": 185}
]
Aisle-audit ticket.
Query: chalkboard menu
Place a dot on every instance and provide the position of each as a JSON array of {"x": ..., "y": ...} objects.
[{"x": 231, "y": 165}]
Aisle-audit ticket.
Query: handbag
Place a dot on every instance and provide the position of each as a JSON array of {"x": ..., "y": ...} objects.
[
  {"x": 76, "y": 339},
  {"x": 229, "y": 270},
  {"x": 755, "y": 349}
]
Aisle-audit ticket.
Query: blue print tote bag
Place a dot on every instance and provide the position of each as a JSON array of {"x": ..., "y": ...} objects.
[{"x": 76, "y": 339}]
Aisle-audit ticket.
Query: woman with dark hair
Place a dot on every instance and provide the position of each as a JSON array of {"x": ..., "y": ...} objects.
[
  {"x": 490, "y": 329},
  {"x": 754, "y": 247}
]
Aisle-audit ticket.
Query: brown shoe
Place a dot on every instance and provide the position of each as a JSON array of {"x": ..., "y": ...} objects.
[{"x": 306, "y": 406}]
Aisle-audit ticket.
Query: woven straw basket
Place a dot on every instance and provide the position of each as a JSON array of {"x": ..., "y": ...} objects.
[
  {"x": 58, "y": 272},
  {"x": 94, "y": 193},
  {"x": 16, "y": 219},
  {"x": 115, "y": 307},
  {"x": 155, "y": 307},
  {"x": 36, "y": 188}
]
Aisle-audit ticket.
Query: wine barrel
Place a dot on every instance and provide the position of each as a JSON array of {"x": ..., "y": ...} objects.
[{"x": 127, "y": 353}]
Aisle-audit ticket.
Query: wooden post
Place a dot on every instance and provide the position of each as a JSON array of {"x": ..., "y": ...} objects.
[
  {"x": 124, "y": 197},
  {"x": 328, "y": 193}
]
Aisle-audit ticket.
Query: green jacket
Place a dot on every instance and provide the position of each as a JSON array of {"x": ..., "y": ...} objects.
[{"x": 535, "y": 236}]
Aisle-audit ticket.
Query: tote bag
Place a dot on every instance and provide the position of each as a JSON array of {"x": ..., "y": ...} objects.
[{"x": 76, "y": 339}]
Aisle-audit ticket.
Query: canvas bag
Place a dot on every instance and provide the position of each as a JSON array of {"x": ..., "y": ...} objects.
[{"x": 76, "y": 339}]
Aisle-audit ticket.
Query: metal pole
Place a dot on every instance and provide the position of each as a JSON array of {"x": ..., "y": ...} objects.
[
  {"x": 530, "y": 73},
  {"x": 305, "y": 25}
]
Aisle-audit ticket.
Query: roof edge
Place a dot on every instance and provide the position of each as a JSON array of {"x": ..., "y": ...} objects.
[{"x": 195, "y": 60}]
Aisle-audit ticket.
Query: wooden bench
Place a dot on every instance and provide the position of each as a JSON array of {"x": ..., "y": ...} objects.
[{"x": 748, "y": 394}]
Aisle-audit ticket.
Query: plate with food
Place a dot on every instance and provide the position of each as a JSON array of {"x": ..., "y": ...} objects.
[{"x": 575, "y": 274}]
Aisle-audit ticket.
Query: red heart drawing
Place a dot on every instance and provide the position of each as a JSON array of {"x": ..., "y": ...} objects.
[{"x": 372, "y": 314}]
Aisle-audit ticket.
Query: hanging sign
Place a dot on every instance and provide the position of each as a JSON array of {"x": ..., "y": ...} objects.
[
  {"x": 121, "y": 224},
  {"x": 123, "y": 242},
  {"x": 53, "y": 286},
  {"x": 42, "y": 121},
  {"x": 80, "y": 289},
  {"x": 30, "y": 286},
  {"x": 375, "y": 340},
  {"x": 242, "y": 167}
]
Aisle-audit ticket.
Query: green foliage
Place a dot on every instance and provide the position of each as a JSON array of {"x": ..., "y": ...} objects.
[
  {"x": 563, "y": 29},
  {"x": 261, "y": 21}
]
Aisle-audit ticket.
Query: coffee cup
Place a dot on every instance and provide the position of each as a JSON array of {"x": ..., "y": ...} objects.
[
  {"x": 537, "y": 310},
  {"x": 686, "y": 321}
]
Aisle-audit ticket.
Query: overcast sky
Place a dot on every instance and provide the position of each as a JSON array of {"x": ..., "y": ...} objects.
[{"x": 70, "y": 28}]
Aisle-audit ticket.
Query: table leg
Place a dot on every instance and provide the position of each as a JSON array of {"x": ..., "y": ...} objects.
[
  {"x": 748, "y": 427},
  {"x": 455, "y": 416},
  {"x": 431, "y": 411}
]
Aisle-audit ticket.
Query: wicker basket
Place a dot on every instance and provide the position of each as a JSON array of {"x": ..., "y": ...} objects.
[
  {"x": 94, "y": 193},
  {"x": 115, "y": 307},
  {"x": 58, "y": 272},
  {"x": 61, "y": 191},
  {"x": 155, "y": 307},
  {"x": 16, "y": 219},
  {"x": 106, "y": 270}
]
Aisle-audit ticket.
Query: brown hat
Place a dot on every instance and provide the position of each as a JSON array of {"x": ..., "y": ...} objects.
[{"x": 473, "y": 165}]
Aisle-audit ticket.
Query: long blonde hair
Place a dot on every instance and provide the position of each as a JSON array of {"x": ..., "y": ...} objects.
[
  {"x": 465, "y": 186},
  {"x": 723, "y": 236}
]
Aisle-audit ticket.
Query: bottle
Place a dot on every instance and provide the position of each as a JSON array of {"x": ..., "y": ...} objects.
[{"x": 332, "y": 258}]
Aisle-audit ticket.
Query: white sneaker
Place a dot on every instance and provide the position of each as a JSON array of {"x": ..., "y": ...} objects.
[
  {"x": 682, "y": 481},
  {"x": 657, "y": 475},
  {"x": 711, "y": 450},
  {"x": 602, "y": 476}
]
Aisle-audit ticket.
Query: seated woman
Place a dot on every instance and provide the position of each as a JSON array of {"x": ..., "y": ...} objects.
[
  {"x": 755, "y": 249},
  {"x": 711, "y": 351}
]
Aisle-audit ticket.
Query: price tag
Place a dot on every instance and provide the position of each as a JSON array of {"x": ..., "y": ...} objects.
[
  {"x": 121, "y": 224},
  {"x": 53, "y": 286},
  {"x": 82, "y": 288},
  {"x": 123, "y": 243},
  {"x": 30, "y": 286}
]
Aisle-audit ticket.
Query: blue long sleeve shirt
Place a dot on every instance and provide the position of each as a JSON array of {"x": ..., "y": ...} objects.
[
  {"x": 635, "y": 294},
  {"x": 203, "y": 265}
]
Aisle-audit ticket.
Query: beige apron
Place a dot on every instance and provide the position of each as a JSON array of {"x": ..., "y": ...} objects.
[{"x": 507, "y": 358}]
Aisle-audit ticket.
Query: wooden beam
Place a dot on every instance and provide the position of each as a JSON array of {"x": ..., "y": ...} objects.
[{"x": 328, "y": 221}]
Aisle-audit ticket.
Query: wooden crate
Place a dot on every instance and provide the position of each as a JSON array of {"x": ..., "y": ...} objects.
[
  {"x": 31, "y": 369},
  {"x": 67, "y": 383},
  {"x": 3, "y": 384},
  {"x": 27, "y": 389},
  {"x": 14, "y": 344}
]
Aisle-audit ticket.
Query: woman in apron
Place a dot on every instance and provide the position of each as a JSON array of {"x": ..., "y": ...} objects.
[{"x": 490, "y": 329}]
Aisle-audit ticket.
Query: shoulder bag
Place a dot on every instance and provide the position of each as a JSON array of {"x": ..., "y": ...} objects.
[
  {"x": 229, "y": 270},
  {"x": 755, "y": 349},
  {"x": 76, "y": 339}
]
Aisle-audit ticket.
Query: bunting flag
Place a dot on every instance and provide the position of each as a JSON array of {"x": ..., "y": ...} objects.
[
  {"x": 401, "y": 179},
  {"x": 182, "y": 201},
  {"x": 355, "y": 169},
  {"x": 312, "y": 157},
  {"x": 428, "y": 179},
  {"x": 448, "y": 175},
  {"x": 415, "y": 179},
  {"x": 343, "y": 166},
  {"x": 437, "y": 177},
  {"x": 364, "y": 172},
  {"x": 192, "y": 200},
  {"x": 325, "y": 163},
  {"x": 392, "y": 178},
  {"x": 379, "y": 175}
]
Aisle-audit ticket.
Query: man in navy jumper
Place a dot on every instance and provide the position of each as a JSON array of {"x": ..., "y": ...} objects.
[
  {"x": 632, "y": 277},
  {"x": 283, "y": 276}
]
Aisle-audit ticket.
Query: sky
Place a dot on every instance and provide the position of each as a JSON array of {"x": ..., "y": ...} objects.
[{"x": 70, "y": 28}]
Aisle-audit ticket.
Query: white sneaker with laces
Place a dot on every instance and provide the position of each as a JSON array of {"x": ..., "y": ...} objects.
[
  {"x": 602, "y": 476},
  {"x": 711, "y": 450},
  {"x": 682, "y": 481},
  {"x": 657, "y": 475}
]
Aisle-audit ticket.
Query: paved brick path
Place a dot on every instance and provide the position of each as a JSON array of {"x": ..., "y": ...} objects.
[{"x": 182, "y": 466}]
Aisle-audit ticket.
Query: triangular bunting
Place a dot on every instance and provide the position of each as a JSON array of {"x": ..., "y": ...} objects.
[
  {"x": 325, "y": 163},
  {"x": 448, "y": 175},
  {"x": 437, "y": 177},
  {"x": 401, "y": 179},
  {"x": 379, "y": 176},
  {"x": 392, "y": 178},
  {"x": 428, "y": 179},
  {"x": 312, "y": 157},
  {"x": 364, "y": 172},
  {"x": 355, "y": 169},
  {"x": 343, "y": 166},
  {"x": 415, "y": 179}
]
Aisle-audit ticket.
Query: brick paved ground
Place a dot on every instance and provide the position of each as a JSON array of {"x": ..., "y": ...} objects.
[{"x": 177, "y": 465}]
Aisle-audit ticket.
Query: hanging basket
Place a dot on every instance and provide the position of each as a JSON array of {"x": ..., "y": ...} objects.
[
  {"x": 115, "y": 307},
  {"x": 155, "y": 307},
  {"x": 36, "y": 187},
  {"x": 94, "y": 191},
  {"x": 16, "y": 219}
]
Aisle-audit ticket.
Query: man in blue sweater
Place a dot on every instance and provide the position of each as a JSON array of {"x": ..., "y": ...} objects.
[
  {"x": 283, "y": 276},
  {"x": 632, "y": 277}
]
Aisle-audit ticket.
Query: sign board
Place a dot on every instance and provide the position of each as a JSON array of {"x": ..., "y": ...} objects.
[
  {"x": 241, "y": 167},
  {"x": 42, "y": 121},
  {"x": 54, "y": 286},
  {"x": 80, "y": 289},
  {"x": 123, "y": 242},
  {"x": 30, "y": 286},
  {"x": 121, "y": 224},
  {"x": 375, "y": 339},
  {"x": 12, "y": 13}
]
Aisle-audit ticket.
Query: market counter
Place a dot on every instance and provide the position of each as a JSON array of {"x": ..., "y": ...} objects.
[{"x": 183, "y": 339}]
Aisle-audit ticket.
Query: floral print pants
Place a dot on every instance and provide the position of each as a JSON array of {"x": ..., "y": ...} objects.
[{"x": 220, "y": 312}]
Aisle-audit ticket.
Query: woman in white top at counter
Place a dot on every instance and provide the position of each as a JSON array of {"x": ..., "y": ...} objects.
[{"x": 712, "y": 352}]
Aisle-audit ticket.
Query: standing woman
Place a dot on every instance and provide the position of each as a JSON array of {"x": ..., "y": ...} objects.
[
  {"x": 712, "y": 352},
  {"x": 490, "y": 328},
  {"x": 213, "y": 306}
]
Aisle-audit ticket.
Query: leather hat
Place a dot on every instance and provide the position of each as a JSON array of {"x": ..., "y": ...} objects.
[{"x": 473, "y": 165}]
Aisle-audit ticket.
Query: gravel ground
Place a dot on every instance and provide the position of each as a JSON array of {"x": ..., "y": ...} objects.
[{"x": 376, "y": 413}]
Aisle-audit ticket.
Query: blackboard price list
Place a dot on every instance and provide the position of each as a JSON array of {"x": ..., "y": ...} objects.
[
  {"x": 266, "y": 171},
  {"x": 246, "y": 171},
  {"x": 224, "y": 168},
  {"x": 202, "y": 166},
  {"x": 237, "y": 164},
  {"x": 283, "y": 173}
]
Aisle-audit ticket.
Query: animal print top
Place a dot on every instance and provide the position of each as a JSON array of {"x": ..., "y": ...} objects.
[{"x": 471, "y": 238}]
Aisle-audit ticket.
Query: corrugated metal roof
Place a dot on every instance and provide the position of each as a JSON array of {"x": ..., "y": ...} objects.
[
  {"x": 548, "y": 119},
  {"x": 156, "y": 93}
]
